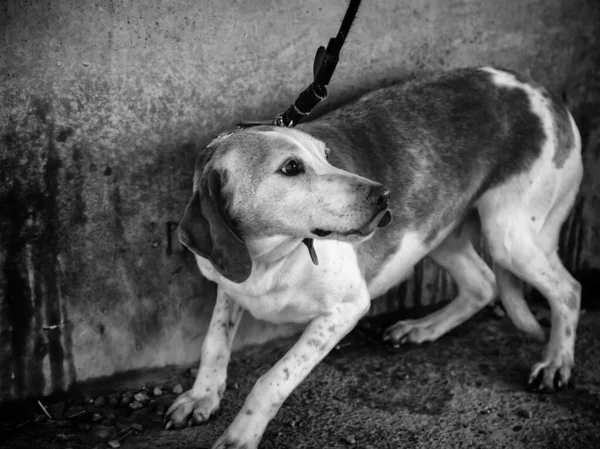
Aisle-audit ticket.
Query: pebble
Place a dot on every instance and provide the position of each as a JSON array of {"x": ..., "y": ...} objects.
[
  {"x": 103, "y": 432},
  {"x": 141, "y": 397},
  {"x": 126, "y": 398},
  {"x": 350, "y": 439},
  {"x": 111, "y": 417},
  {"x": 114, "y": 443},
  {"x": 113, "y": 399},
  {"x": 138, "y": 427},
  {"x": 524, "y": 413},
  {"x": 178, "y": 389},
  {"x": 135, "y": 405},
  {"x": 157, "y": 391},
  {"x": 96, "y": 417},
  {"x": 100, "y": 401}
]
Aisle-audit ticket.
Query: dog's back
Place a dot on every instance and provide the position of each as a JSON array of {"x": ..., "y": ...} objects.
[{"x": 440, "y": 141}]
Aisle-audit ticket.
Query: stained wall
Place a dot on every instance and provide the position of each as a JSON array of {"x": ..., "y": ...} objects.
[{"x": 104, "y": 105}]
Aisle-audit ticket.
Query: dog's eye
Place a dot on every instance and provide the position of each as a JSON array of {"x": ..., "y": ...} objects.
[{"x": 292, "y": 168}]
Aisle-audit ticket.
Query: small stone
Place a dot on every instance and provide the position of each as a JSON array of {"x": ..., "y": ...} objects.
[
  {"x": 525, "y": 413},
  {"x": 349, "y": 439},
  {"x": 96, "y": 417},
  {"x": 114, "y": 443},
  {"x": 178, "y": 389},
  {"x": 111, "y": 417},
  {"x": 157, "y": 391},
  {"x": 103, "y": 433},
  {"x": 141, "y": 397},
  {"x": 135, "y": 405},
  {"x": 100, "y": 401},
  {"x": 113, "y": 399},
  {"x": 138, "y": 427},
  {"x": 126, "y": 398}
]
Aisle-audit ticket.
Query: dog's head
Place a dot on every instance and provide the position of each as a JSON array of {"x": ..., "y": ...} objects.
[{"x": 269, "y": 181}]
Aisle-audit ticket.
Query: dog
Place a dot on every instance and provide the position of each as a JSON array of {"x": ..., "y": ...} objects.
[{"x": 295, "y": 225}]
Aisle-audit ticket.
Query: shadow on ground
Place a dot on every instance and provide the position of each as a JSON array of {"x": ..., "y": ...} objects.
[{"x": 465, "y": 391}]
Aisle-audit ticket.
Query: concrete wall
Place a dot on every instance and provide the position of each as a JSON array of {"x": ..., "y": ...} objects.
[{"x": 104, "y": 105}]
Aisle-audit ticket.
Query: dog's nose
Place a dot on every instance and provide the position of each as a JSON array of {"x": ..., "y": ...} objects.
[{"x": 380, "y": 196}]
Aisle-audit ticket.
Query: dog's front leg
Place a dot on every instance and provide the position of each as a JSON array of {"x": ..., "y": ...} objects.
[
  {"x": 273, "y": 388},
  {"x": 196, "y": 405}
]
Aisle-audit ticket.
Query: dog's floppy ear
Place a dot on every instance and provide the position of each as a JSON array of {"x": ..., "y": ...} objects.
[{"x": 207, "y": 231}]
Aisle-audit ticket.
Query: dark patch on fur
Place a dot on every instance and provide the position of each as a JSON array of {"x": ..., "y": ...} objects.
[
  {"x": 560, "y": 116},
  {"x": 421, "y": 137},
  {"x": 314, "y": 342},
  {"x": 568, "y": 331},
  {"x": 573, "y": 300}
]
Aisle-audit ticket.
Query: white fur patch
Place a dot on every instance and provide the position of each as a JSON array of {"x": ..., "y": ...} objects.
[{"x": 399, "y": 267}]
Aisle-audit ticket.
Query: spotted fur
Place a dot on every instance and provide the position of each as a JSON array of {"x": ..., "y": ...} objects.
[{"x": 465, "y": 152}]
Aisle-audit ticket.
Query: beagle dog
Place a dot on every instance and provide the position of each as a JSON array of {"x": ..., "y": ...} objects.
[{"x": 295, "y": 225}]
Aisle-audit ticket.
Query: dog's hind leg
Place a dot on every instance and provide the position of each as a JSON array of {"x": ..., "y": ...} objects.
[
  {"x": 476, "y": 285},
  {"x": 195, "y": 406},
  {"x": 510, "y": 217},
  {"x": 510, "y": 290}
]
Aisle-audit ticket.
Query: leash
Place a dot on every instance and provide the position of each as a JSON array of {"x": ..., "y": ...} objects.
[{"x": 324, "y": 65}]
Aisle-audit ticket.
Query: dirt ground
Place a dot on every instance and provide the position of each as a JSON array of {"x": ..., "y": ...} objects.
[{"x": 465, "y": 391}]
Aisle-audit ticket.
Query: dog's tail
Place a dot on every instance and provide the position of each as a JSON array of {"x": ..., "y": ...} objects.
[{"x": 510, "y": 289}]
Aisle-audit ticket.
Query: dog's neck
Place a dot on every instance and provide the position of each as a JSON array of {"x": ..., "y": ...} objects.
[{"x": 269, "y": 250}]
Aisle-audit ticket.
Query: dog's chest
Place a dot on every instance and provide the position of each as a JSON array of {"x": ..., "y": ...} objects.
[{"x": 296, "y": 292}]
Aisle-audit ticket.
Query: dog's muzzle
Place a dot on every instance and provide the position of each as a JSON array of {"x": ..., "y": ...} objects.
[{"x": 381, "y": 196}]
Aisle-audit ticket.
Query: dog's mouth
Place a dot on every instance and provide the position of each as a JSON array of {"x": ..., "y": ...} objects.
[{"x": 380, "y": 220}]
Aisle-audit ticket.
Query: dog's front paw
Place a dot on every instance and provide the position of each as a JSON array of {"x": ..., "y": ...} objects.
[
  {"x": 552, "y": 373},
  {"x": 226, "y": 442},
  {"x": 410, "y": 331},
  {"x": 188, "y": 410}
]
